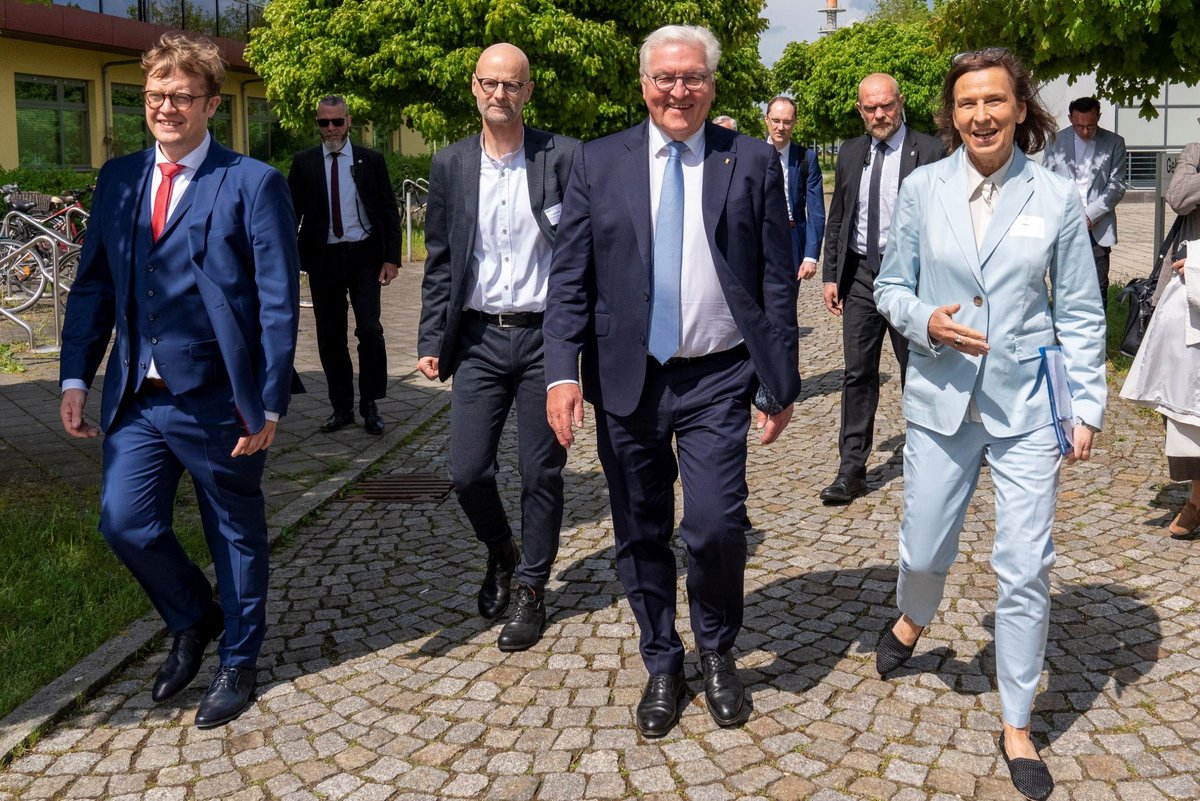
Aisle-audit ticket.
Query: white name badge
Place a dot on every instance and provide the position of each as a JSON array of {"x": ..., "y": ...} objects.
[
  {"x": 1029, "y": 226},
  {"x": 553, "y": 213}
]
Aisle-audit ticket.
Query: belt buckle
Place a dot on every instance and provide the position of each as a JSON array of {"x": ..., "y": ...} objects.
[{"x": 503, "y": 325}]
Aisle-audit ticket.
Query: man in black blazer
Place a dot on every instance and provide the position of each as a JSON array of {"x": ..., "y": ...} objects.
[
  {"x": 494, "y": 204},
  {"x": 673, "y": 278},
  {"x": 866, "y": 181},
  {"x": 349, "y": 245}
]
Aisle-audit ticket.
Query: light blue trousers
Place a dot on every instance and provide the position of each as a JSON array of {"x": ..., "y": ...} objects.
[{"x": 940, "y": 476}]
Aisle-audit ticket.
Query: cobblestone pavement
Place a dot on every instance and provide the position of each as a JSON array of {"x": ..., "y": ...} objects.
[{"x": 381, "y": 682}]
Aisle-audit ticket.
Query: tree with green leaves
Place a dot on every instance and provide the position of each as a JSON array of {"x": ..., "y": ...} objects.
[
  {"x": 1131, "y": 46},
  {"x": 409, "y": 62},
  {"x": 824, "y": 75}
]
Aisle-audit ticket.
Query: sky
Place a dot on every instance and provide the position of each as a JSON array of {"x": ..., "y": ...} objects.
[{"x": 799, "y": 20}]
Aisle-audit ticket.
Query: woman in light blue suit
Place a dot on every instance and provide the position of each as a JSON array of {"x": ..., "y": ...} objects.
[{"x": 975, "y": 237}]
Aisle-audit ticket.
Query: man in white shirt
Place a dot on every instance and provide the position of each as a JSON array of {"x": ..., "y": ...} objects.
[
  {"x": 1094, "y": 159},
  {"x": 494, "y": 203},
  {"x": 802, "y": 184}
]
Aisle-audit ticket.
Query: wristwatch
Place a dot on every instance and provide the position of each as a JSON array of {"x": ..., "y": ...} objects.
[{"x": 1080, "y": 422}]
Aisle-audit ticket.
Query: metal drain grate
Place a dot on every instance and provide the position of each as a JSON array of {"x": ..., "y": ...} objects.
[{"x": 405, "y": 488}]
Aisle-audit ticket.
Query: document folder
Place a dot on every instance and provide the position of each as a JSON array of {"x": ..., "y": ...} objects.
[{"x": 1054, "y": 369}]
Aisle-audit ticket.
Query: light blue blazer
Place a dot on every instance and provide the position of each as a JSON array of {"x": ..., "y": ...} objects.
[
  {"x": 1037, "y": 232},
  {"x": 1108, "y": 178}
]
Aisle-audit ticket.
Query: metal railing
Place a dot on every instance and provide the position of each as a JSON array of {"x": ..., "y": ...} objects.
[
  {"x": 32, "y": 246},
  {"x": 414, "y": 192}
]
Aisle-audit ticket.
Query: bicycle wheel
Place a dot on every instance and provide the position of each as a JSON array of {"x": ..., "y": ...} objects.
[
  {"x": 22, "y": 276},
  {"x": 68, "y": 264}
]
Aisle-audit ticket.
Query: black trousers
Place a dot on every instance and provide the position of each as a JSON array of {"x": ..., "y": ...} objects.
[
  {"x": 501, "y": 367},
  {"x": 1101, "y": 255},
  {"x": 863, "y": 330},
  {"x": 349, "y": 271}
]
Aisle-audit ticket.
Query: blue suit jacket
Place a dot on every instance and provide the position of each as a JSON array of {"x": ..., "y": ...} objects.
[
  {"x": 1037, "y": 231},
  {"x": 600, "y": 279},
  {"x": 235, "y": 227},
  {"x": 809, "y": 216}
]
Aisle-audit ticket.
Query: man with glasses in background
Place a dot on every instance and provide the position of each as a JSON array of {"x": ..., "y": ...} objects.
[
  {"x": 494, "y": 203},
  {"x": 349, "y": 246},
  {"x": 866, "y": 182},
  {"x": 1093, "y": 159},
  {"x": 192, "y": 260},
  {"x": 802, "y": 184}
]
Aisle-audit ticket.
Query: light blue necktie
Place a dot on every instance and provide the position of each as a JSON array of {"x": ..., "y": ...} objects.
[{"x": 668, "y": 259}]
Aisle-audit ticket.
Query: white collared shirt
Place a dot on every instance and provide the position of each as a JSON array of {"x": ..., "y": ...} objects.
[
  {"x": 707, "y": 325},
  {"x": 354, "y": 227},
  {"x": 512, "y": 255},
  {"x": 889, "y": 187},
  {"x": 981, "y": 211},
  {"x": 1085, "y": 151},
  {"x": 787, "y": 189}
]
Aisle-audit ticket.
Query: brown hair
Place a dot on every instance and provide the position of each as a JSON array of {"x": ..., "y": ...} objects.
[
  {"x": 1033, "y": 134},
  {"x": 177, "y": 51}
]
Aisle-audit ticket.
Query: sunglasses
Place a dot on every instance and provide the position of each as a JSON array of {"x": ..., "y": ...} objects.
[
  {"x": 336, "y": 122},
  {"x": 987, "y": 54}
]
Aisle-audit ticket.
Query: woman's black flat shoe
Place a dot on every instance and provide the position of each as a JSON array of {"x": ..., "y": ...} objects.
[
  {"x": 1031, "y": 777},
  {"x": 890, "y": 653}
]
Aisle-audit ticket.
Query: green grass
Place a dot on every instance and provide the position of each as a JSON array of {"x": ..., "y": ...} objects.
[
  {"x": 1118, "y": 363},
  {"x": 7, "y": 363},
  {"x": 62, "y": 592}
]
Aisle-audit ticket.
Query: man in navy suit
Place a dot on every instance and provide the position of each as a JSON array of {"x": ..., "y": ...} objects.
[
  {"x": 802, "y": 185},
  {"x": 673, "y": 277},
  {"x": 194, "y": 263}
]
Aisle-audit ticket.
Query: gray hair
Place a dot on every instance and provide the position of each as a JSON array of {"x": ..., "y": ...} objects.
[
  {"x": 725, "y": 118},
  {"x": 693, "y": 35},
  {"x": 333, "y": 100}
]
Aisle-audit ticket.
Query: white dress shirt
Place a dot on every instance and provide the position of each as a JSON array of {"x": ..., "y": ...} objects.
[
  {"x": 354, "y": 227},
  {"x": 512, "y": 256},
  {"x": 783, "y": 162},
  {"x": 1085, "y": 151},
  {"x": 889, "y": 188},
  {"x": 707, "y": 325}
]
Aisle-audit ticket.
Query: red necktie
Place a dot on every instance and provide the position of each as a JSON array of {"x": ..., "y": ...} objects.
[
  {"x": 162, "y": 198},
  {"x": 335, "y": 196}
]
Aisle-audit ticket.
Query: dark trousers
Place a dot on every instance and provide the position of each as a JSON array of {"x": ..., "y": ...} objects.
[
  {"x": 702, "y": 408},
  {"x": 156, "y": 437},
  {"x": 349, "y": 270},
  {"x": 500, "y": 367},
  {"x": 863, "y": 330},
  {"x": 1101, "y": 255}
]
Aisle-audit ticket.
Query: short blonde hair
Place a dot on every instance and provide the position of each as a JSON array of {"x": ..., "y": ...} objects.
[{"x": 178, "y": 51}]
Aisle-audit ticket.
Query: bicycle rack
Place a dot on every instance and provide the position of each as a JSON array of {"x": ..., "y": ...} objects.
[
  {"x": 27, "y": 247},
  {"x": 410, "y": 187}
]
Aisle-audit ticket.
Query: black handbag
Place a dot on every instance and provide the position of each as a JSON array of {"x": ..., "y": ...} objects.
[{"x": 1139, "y": 294}]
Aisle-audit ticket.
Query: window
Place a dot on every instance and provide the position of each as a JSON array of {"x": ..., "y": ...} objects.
[
  {"x": 264, "y": 127},
  {"x": 129, "y": 131},
  {"x": 52, "y": 122},
  {"x": 221, "y": 124}
]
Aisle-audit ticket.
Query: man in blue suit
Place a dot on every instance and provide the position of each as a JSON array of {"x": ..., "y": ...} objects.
[
  {"x": 802, "y": 185},
  {"x": 194, "y": 263},
  {"x": 673, "y": 277}
]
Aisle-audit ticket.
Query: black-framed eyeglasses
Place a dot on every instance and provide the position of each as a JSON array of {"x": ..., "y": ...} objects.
[
  {"x": 691, "y": 81},
  {"x": 987, "y": 53},
  {"x": 488, "y": 85},
  {"x": 336, "y": 122},
  {"x": 180, "y": 100}
]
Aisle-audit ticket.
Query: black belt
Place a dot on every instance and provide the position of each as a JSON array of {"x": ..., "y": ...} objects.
[
  {"x": 362, "y": 243},
  {"x": 521, "y": 319},
  {"x": 149, "y": 383},
  {"x": 791, "y": 223},
  {"x": 691, "y": 361}
]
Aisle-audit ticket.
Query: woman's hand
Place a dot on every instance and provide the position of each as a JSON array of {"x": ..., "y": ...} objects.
[{"x": 1178, "y": 267}]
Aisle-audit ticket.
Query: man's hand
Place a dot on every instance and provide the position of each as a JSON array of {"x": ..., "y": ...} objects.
[
  {"x": 807, "y": 270},
  {"x": 1081, "y": 437},
  {"x": 71, "y": 412},
  {"x": 387, "y": 273},
  {"x": 564, "y": 411},
  {"x": 253, "y": 443},
  {"x": 832, "y": 302},
  {"x": 943, "y": 329},
  {"x": 428, "y": 365},
  {"x": 772, "y": 425}
]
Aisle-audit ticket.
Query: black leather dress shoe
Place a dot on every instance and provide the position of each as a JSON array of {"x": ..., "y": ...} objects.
[
  {"x": 890, "y": 653},
  {"x": 231, "y": 691},
  {"x": 528, "y": 622},
  {"x": 336, "y": 421},
  {"x": 661, "y": 703},
  {"x": 723, "y": 688},
  {"x": 372, "y": 421},
  {"x": 1031, "y": 777},
  {"x": 844, "y": 489},
  {"x": 187, "y": 654},
  {"x": 497, "y": 581}
]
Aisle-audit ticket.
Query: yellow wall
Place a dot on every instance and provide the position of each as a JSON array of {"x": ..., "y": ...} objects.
[{"x": 34, "y": 58}]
